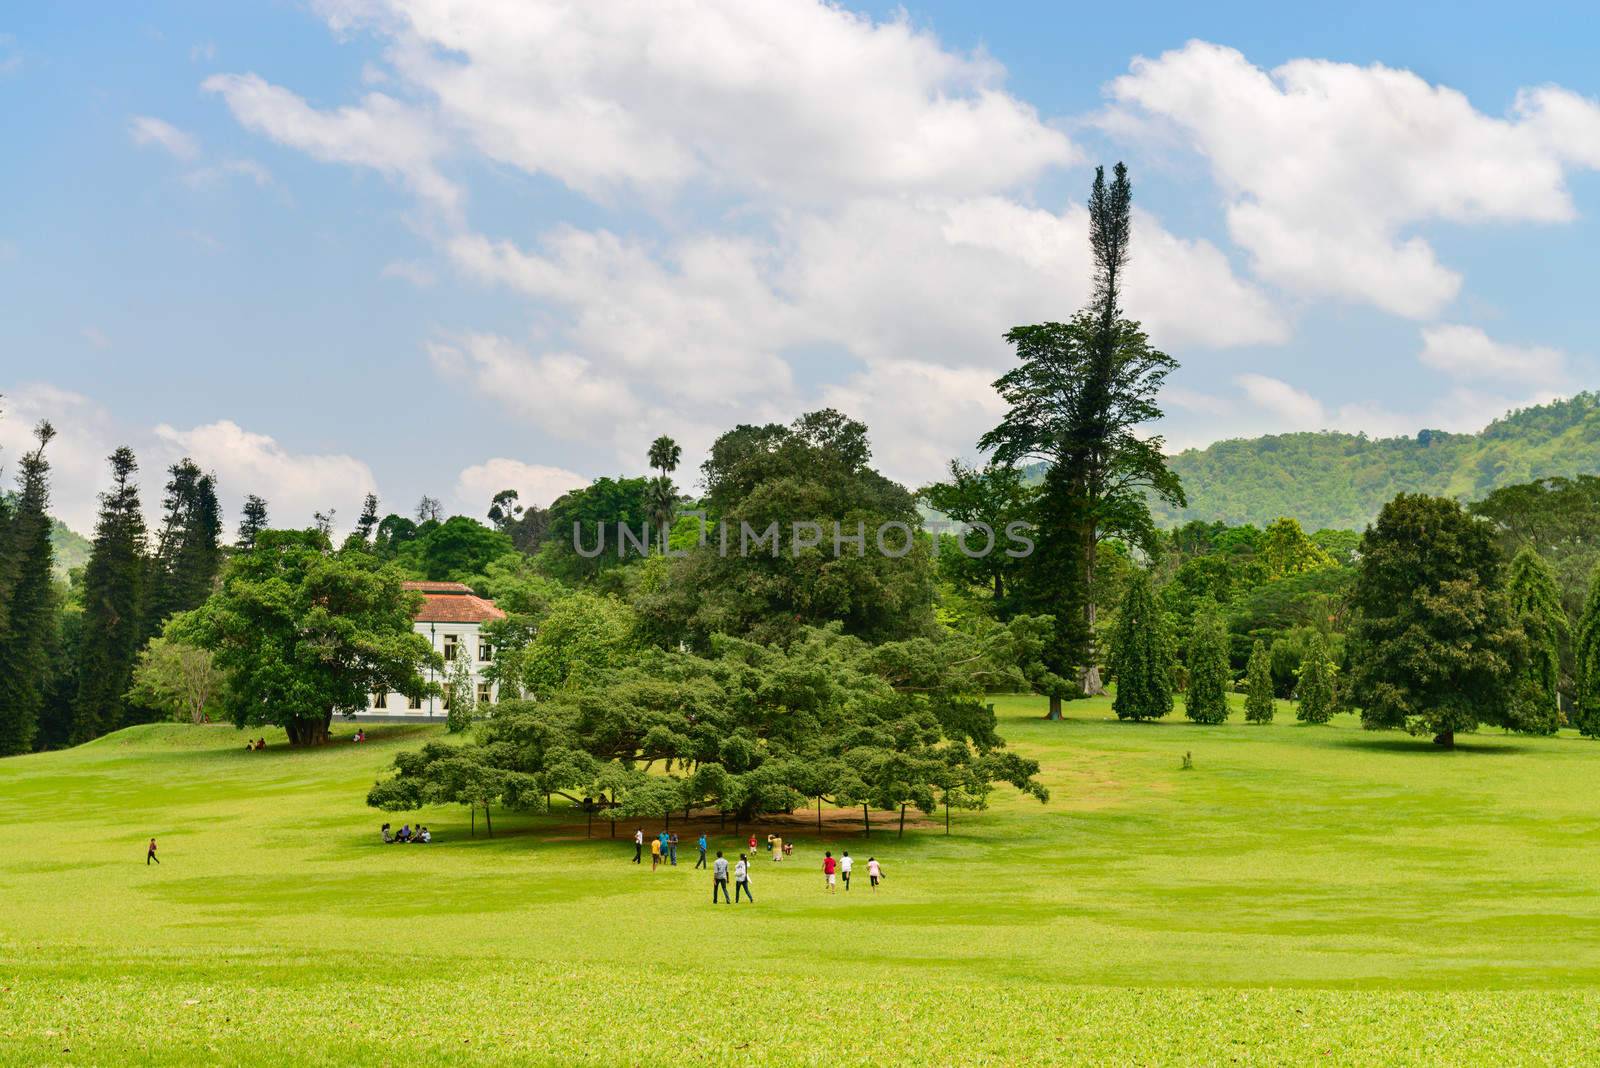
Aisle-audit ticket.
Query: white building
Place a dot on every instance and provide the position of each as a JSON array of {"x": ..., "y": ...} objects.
[{"x": 452, "y": 619}]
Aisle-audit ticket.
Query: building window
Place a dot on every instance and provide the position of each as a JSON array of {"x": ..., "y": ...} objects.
[
  {"x": 485, "y": 651},
  {"x": 449, "y": 647},
  {"x": 483, "y": 694},
  {"x": 414, "y": 704},
  {"x": 380, "y": 699}
]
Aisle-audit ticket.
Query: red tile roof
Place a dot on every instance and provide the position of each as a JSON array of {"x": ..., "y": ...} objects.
[{"x": 452, "y": 602}]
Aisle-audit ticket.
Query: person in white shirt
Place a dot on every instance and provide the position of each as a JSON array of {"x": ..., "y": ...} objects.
[
  {"x": 844, "y": 869},
  {"x": 638, "y": 846},
  {"x": 741, "y": 880}
]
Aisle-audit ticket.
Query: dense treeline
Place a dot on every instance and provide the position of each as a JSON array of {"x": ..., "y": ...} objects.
[
  {"x": 1336, "y": 480},
  {"x": 790, "y": 631}
]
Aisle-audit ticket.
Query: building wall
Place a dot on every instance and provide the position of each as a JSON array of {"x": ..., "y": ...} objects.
[{"x": 468, "y": 638}]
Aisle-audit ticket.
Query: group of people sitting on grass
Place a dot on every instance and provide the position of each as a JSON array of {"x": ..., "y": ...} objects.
[
  {"x": 361, "y": 734},
  {"x": 252, "y": 746},
  {"x": 406, "y": 834}
]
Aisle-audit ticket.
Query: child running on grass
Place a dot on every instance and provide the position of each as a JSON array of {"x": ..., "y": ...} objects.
[
  {"x": 874, "y": 871},
  {"x": 844, "y": 869},
  {"x": 828, "y": 865}
]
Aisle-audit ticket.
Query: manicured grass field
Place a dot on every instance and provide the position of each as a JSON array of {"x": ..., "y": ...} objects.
[{"x": 1304, "y": 894}]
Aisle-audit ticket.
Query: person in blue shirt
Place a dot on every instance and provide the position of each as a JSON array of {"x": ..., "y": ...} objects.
[{"x": 702, "y": 861}]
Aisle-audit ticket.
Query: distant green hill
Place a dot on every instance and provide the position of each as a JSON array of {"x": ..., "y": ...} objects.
[
  {"x": 71, "y": 548},
  {"x": 1330, "y": 479}
]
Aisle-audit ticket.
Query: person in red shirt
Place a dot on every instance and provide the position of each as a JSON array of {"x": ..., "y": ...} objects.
[{"x": 829, "y": 866}]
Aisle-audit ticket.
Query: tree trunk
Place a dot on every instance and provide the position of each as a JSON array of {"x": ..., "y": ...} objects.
[
  {"x": 819, "y": 814},
  {"x": 474, "y": 808},
  {"x": 1445, "y": 738},
  {"x": 902, "y": 831},
  {"x": 947, "y": 817},
  {"x": 866, "y": 817},
  {"x": 1055, "y": 707},
  {"x": 305, "y": 731},
  {"x": 488, "y": 821}
]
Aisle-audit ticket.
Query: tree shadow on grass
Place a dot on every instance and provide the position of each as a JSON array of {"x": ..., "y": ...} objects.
[{"x": 1407, "y": 744}]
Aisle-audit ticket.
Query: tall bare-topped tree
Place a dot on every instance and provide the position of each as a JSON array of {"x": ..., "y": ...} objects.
[
  {"x": 25, "y": 562},
  {"x": 113, "y": 597},
  {"x": 1084, "y": 389}
]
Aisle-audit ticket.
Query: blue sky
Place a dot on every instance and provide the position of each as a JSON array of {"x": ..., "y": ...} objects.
[{"x": 420, "y": 247}]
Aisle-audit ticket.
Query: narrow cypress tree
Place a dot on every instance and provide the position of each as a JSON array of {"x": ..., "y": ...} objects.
[
  {"x": 1141, "y": 654},
  {"x": 30, "y": 600},
  {"x": 1316, "y": 689},
  {"x": 1258, "y": 707},
  {"x": 1586, "y": 714},
  {"x": 109, "y": 639},
  {"x": 188, "y": 549},
  {"x": 1209, "y": 674},
  {"x": 251, "y": 523},
  {"x": 1536, "y": 601}
]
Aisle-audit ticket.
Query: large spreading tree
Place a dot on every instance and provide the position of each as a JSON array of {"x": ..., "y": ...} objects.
[
  {"x": 305, "y": 633},
  {"x": 1077, "y": 402},
  {"x": 1435, "y": 640}
]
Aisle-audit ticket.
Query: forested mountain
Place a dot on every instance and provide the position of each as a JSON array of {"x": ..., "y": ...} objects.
[
  {"x": 1330, "y": 479},
  {"x": 69, "y": 548}
]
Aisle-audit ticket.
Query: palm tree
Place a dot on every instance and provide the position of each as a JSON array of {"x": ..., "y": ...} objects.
[
  {"x": 664, "y": 455},
  {"x": 661, "y": 499}
]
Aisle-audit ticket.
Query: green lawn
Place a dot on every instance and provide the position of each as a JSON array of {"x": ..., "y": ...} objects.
[{"x": 1303, "y": 894}]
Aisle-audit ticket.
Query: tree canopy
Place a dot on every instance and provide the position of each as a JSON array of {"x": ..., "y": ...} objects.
[{"x": 305, "y": 633}]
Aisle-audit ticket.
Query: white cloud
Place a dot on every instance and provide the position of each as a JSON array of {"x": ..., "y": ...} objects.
[
  {"x": 802, "y": 98},
  {"x": 206, "y": 177},
  {"x": 295, "y": 485},
  {"x": 1326, "y": 165},
  {"x": 203, "y": 52},
  {"x": 95, "y": 337},
  {"x": 148, "y": 130},
  {"x": 380, "y": 132},
  {"x": 1295, "y": 407},
  {"x": 920, "y": 414},
  {"x": 1467, "y": 352},
  {"x": 77, "y": 455},
  {"x": 536, "y": 484}
]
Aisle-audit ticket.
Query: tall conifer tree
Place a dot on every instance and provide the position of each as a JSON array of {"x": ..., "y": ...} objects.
[
  {"x": 1209, "y": 673},
  {"x": 1536, "y": 600},
  {"x": 110, "y": 636},
  {"x": 1586, "y": 654},
  {"x": 1258, "y": 706},
  {"x": 26, "y": 641},
  {"x": 1077, "y": 402},
  {"x": 1318, "y": 699},
  {"x": 1141, "y": 654},
  {"x": 251, "y": 523}
]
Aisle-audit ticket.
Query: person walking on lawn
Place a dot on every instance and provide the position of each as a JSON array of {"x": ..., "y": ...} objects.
[
  {"x": 828, "y": 867},
  {"x": 741, "y": 880},
  {"x": 638, "y": 845},
  {"x": 150, "y": 856},
  {"x": 672, "y": 849},
  {"x": 702, "y": 861},
  {"x": 655, "y": 853},
  {"x": 719, "y": 878}
]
